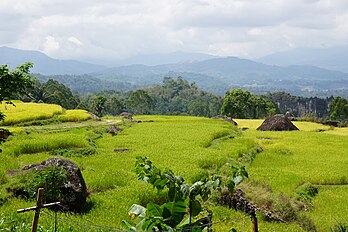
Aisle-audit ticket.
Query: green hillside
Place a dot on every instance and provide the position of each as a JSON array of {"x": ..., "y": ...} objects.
[{"x": 277, "y": 162}]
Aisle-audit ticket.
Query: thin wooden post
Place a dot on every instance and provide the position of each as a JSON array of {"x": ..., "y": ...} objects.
[
  {"x": 254, "y": 223},
  {"x": 38, "y": 208}
]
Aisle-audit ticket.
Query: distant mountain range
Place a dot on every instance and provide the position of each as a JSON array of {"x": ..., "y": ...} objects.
[
  {"x": 217, "y": 74},
  {"x": 44, "y": 64},
  {"x": 334, "y": 58}
]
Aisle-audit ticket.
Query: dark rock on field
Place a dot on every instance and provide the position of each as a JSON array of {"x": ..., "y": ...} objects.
[
  {"x": 94, "y": 117},
  {"x": 113, "y": 130},
  {"x": 126, "y": 115},
  {"x": 226, "y": 118},
  {"x": 277, "y": 122},
  {"x": 119, "y": 150},
  {"x": 331, "y": 123},
  {"x": 4, "y": 134},
  {"x": 74, "y": 191}
]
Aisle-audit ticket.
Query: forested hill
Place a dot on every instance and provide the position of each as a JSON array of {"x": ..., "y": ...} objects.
[
  {"x": 219, "y": 75},
  {"x": 216, "y": 75}
]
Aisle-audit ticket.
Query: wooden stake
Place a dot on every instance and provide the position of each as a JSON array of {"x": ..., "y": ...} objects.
[
  {"x": 37, "y": 208},
  {"x": 254, "y": 222}
]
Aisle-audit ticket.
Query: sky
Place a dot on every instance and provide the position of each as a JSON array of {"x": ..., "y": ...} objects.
[{"x": 118, "y": 29}]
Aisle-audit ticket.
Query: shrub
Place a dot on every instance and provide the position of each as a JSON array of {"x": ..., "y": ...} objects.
[
  {"x": 26, "y": 183},
  {"x": 306, "y": 191}
]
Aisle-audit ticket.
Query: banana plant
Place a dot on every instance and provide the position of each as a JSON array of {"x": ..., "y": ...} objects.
[{"x": 182, "y": 210}]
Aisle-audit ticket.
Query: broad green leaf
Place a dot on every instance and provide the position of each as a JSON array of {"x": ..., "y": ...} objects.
[
  {"x": 176, "y": 210},
  {"x": 129, "y": 226},
  {"x": 230, "y": 185},
  {"x": 195, "y": 208},
  {"x": 154, "y": 210},
  {"x": 171, "y": 193}
]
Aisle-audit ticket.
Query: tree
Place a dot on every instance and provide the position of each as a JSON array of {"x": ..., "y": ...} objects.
[
  {"x": 339, "y": 109},
  {"x": 178, "y": 96},
  {"x": 14, "y": 82},
  {"x": 57, "y": 93},
  {"x": 98, "y": 105},
  {"x": 139, "y": 102},
  {"x": 114, "y": 105},
  {"x": 240, "y": 103}
]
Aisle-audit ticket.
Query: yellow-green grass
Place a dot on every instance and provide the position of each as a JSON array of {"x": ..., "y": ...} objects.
[
  {"x": 35, "y": 143},
  {"x": 23, "y": 112},
  {"x": 74, "y": 116},
  {"x": 183, "y": 144},
  {"x": 190, "y": 146},
  {"x": 291, "y": 158},
  {"x": 330, "y": 206}
]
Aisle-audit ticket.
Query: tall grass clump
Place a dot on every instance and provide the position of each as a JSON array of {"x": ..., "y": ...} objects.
[
  {"x": 35, "y": 143},
  {"x": 23, "y": 112},
  {"x": 74, "y": 116}
]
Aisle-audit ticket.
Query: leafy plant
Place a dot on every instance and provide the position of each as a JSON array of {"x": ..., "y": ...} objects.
[
  {"x": 182, "y": 209},
  {"x": 307, "y": 191},
  {"x": 52, "y": 178}
]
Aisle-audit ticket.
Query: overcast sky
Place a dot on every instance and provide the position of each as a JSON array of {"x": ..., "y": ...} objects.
[{"x": 112, "y": 29}]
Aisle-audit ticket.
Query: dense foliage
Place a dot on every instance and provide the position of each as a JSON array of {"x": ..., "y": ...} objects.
[
  {"x": 172, "y": 97},
  {"x": 51, "y": 92},
  {"x": 240, "y": 103},
  {"x": 339, "y": 109},
  {"x": 14, "y": 82},
  {"x": 300, "y": 106},
  {"x": 182, "y": 210},
  {"x": 177, "y": 96}
]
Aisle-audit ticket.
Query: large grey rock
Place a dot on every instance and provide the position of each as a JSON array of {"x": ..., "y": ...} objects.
[{"x": 74, "y": 191}]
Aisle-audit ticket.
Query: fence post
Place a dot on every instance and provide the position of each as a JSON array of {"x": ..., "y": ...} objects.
[
  {"x": 254, "y": 222},
  {"x": 38, "y": 208}
]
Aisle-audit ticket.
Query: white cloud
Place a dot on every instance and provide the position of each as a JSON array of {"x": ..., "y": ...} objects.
[
  {"x": 75, "y": 41},
  {"x": 83, "y": 29},
  {"x": 50, "y": 45}
]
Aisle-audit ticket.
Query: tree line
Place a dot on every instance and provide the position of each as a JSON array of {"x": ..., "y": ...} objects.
[{"x": 174, "y": 96}]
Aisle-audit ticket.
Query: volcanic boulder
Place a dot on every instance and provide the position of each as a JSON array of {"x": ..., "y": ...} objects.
[{"x": 74, "y": 191}]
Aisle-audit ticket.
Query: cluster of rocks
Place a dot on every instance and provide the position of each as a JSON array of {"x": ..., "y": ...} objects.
[{"x": 129, "y": 116}]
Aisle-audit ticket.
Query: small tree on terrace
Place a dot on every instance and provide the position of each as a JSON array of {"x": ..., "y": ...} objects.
[
  {"x": 240, "y": 103},
  {"x": 339, "y": 109},
  {"x": 139, "y": 102},
  {"x": 14, "y": 82}
]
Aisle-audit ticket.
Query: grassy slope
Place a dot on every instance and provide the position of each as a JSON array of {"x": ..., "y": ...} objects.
[
  {"x": 290, "y": 158},
  {"x": 28, "y": 111},
  {"x": 190, "y": 146}
]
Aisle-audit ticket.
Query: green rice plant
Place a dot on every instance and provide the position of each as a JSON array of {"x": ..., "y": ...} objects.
[
  {"x": 74, "y": 116},
  {"x": 36, "y": 143},
  {"x": 23, "y": 112},
  {"x": 287, "y": 160}
]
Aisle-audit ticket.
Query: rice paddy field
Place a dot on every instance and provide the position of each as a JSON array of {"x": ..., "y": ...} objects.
[
  {"x": 277, "y": 162},
  {"x": 23, "y": 112}
]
